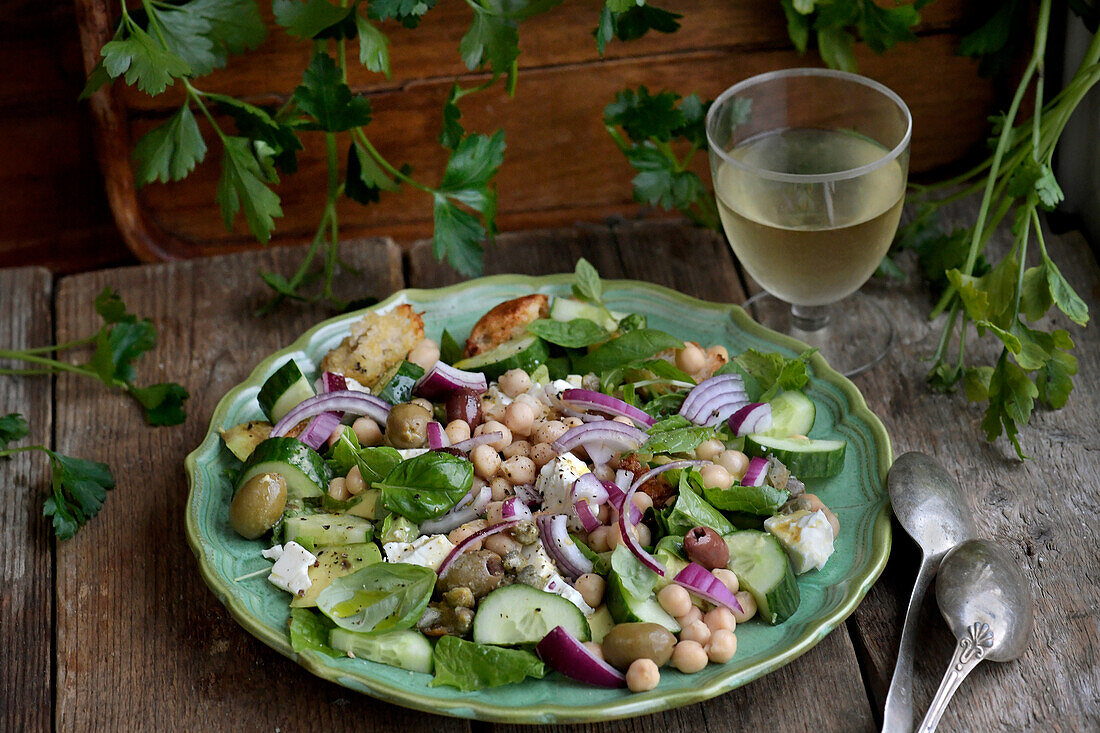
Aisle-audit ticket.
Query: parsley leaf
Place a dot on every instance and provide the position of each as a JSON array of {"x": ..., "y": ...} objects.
[
  {"x": 169, "y": 152},
  {"x": 451, "y": 134},
  {"x": 766, "y": 372},
  {"x": 324, "y": 95},
  {"x": 144, "y": 62},
  {"x": 244, "y": 182},
  {"x": 1063, "y": 294},
  {"x": 1055, "y": 379},
  {"x": 365, "y": 178},
  {"x": 13, "y": 427},
  {"x": 407, "y": 12},
  {"x": 374, "y": 52},
  {"x": 257, "y": 123},
  {"x": 235, "y": 25},
  {"x": 1011, "y": 399},
  {"x": 185, "y": 34},
  {"x": 491, "y": 40},
  {"x": 458, "y": 233},
  {"x": 643, "y": 115},
  {"x": 315, "y": 18},
  {"x": 79, "y": 490},
  {"x": 163, "y": 402}
]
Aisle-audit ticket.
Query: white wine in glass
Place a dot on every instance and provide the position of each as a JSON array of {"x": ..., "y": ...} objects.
[{"x": 809, "y": 170}]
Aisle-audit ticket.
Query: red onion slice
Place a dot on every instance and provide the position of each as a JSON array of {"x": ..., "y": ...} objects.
[
  {"x": 320, "y": 429},
  {"x": 591, "y": 401},
  {"x": 702, "y": 583},
  {"x": 755, "y": 473},
  {"x": 514, "y": 508},
  {"x": 437, "y": 437},
  {"x": 470, "y": 443},
  {"x": 442, "y": 379},
  {"x": 631, "y": 541},
  {"x": 468, "y": 508},
  {"x": 589, "y": 488},
  {"x": 528, "y": 494},
  {"x": 615, "y": 496},
  {"x": 755, "y": 417},
  {"x": 333, "y": 382},
  {"x": 601, "y": 439},
  {"x": 573, "y": 659},
  {"x": 465, "y": 544},
  {"x": 351, "y": 401},
  {"x": 707, "y": 403},
  {"x": 584, "y": 512},
  {"x": 560, "y": 546}
]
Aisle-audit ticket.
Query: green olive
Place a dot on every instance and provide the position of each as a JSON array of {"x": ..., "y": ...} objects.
[
  {"x": 407, "y": 426},
  {"x": 628, "y": 642},
  {"x": 258, "y": 505},
  {"x": 480, "y": 571}
]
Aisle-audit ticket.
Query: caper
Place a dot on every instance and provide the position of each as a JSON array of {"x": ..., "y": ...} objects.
[
  {"x": 258, "y": 505},
  {"x": 525, "y": 533},
  {"x": 513, "y": 561},
  {"x": 460, "y": 597},
  {"x": 407, "y": 426},
  {"x": 628, "y": 642}
]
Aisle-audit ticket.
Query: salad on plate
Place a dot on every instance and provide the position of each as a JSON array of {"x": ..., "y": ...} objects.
[{"x": 568, "y": 491}]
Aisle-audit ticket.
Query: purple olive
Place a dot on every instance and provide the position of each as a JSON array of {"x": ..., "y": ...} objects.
[
  {"x": 464, "y": 404},
  {"x": 705, "y": 546}
]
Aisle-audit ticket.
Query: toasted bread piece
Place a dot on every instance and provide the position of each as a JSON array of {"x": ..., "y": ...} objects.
[
  {"x": 376, "y": 343},
  {"x": 506, "y": 322}
]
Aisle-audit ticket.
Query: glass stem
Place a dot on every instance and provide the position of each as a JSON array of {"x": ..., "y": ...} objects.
[{"x": 809, "y": 317}]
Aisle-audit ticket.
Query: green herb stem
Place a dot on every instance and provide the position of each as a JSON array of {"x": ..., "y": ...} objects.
[
  {"x": 396, "y": 173},
  {"x": 50, "y": 364}
]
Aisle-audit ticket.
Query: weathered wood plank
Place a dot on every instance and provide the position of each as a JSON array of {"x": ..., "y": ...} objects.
[
  {"x": 26, "y": 566},
  {"x": 143, "y": 643},
  {"x": 560, "y": 159},
  {"x": 1044, "y": 512},
  {"x": 696, "y": 262}
]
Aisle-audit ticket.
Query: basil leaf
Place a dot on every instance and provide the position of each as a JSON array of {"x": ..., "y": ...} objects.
[
  {"x": 380, "y": 597},
  {"x": 426, "y": 486},
  {"x": 345, "y": 452},
  {"x": 587, "y": 285},
  {"x": 691, "y": 510},
  {"x": 675, "y": 422},
  {"x": 664, "y": 405},
  {"x": 574, "y": 334},
  {"x": 762, "y": 500},
  {"x": 639, "y": 344},
  {"x": 309, "y": 631},
  {"x": 679, "y": 440},
  {"x": 377, "y": 463},
  {"x": 636, "y": 579},
  {"x": 673, "y": 545},
  {"x": 470, "y": 666},
  {"x": 632, "y": 322}
]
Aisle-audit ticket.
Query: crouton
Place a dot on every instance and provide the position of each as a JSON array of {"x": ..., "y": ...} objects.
[
  {"x": 377, "y": 342},
  {"x": 505, "y": 322}
]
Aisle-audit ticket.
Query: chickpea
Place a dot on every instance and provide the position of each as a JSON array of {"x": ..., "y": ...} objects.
[
  {"x": 591, "y": 587},
  {"x": 514, "y": 382},
  {"x": 500, "y": 487},
  {"x": 689, "y": 657},
  {"x": 722, "y": 646},
  {"x": 674, "y": 599},
  {"x": 696, "y": 631},
  {"x": 549, "y": 431},
  {"x": 728, "y": 578},
  {"x": 258, "y": 505},
  {"x": 425, "y": 354},
  {"x": 693, "y": 615},
  {"x": 595, "y": 649},
  {"x": 367, "y": 431},
  {"x": 690, "y": 358},
  {"x": 719, "y": 617},
  {"x": 457, "y": 431},
  {"x": 519, "y": 417},
  {"x": 542, "y": 453},
  {"x": 460, "y": 533},
  {"x": 597, "y": 539},
  {"x": 614, "y": 536},
  {"x": 519, "y": 470},
  {"x": 748, "y": 606},
  {"x": 643, "y": 534},
  {"x": 426, "y": 404},
  {"x": 716, "y": 476},
  {"x": 708, "y": 449},
  {"x": 354, "y": 482},
  {"x": 572, "y": 422},
  {"x": 500, "y": 543},
  {"x": 494, "y": 512},
  {"x": 603, "y": 514},
  {"x": 486, "y": 461},
  {"x": 517, "y": 448},
  {"x": 733, "y": 461},
  {"x": 642, "y": 675},
  {"x": 493, "y": 426},
  {"x": 718, "y": 352},
  {"x": 623, "y": 420},
  {"x": 642, "y": 500},
  {"x": 338, "y": 489}
]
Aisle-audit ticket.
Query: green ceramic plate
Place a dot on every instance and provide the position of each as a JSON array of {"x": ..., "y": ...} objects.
[{"x": 858, "y": 496}]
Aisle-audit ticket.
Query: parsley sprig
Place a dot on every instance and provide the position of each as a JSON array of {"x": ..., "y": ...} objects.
[
  {"x": 79, "y": 486},
  {"x": 118, "y": 343}
]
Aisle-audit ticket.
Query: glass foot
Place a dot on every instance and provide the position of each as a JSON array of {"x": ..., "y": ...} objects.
[{"x": 857, "y": 332}]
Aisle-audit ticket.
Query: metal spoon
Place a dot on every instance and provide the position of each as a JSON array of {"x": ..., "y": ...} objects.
[
  {"x": 931, "y": 507},
  {"x": 989, "y": 606}
]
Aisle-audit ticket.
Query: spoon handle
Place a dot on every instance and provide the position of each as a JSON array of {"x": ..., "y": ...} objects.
[
  {"x": 969, "y": 652},
  {"x": 898, "y": 715}
]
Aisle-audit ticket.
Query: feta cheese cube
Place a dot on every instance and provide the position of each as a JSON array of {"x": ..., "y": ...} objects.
[
  {"x": 291, "y": 570},
  {"x": 555, "y": 484},
  {"x": 429, "y": 551},
  {"x": 273, "y": 553},
  {"x": 806, "y": 536},
  {"x": 549, "y": 579}
]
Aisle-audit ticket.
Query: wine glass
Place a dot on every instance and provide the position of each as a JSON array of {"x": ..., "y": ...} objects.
[{"x": 809, "y": 169}]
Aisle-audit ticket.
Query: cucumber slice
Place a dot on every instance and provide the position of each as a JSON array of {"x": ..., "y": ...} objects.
[
  {"x": 764, "y": 570},
  {"x": 301, "y": 466},
  {"x": 398, "y": 382},
  {"x": 568, "y": 309},
  {"x": 804, "y": 458},
  {"x": 335, "y": 562},
  {"x": 626, "y": 609},
  {"x": 406, "y": 648},
  {"x": 520, "y": 614},
  {"x": 600, "y": 622},
  {"x": 525, "y": 352},
  {"x": 283, "y": 391},
  {"x": 329, "y": 529},
  {"x": 793, "y": 413}
]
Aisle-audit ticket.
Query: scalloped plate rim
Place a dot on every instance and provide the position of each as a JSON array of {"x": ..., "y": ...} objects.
[{"x": 633, "y": 705}]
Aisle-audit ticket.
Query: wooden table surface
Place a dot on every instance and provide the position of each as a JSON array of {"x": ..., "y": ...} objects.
[{"x": 115, "y": 630}]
